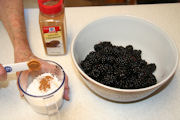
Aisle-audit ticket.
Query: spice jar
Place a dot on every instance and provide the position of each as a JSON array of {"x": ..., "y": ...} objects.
[{"x": 52, "y": 26}]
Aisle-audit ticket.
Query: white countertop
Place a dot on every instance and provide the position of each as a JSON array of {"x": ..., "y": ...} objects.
[{"x": 85, "y": 105}]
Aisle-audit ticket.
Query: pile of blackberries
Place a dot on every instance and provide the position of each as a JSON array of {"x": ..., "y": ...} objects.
[{"x": 118, "y": 66}]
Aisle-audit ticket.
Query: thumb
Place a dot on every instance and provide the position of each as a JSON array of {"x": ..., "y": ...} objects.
[{"x": 3, "y": 74}]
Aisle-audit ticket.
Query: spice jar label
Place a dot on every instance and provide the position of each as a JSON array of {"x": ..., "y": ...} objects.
[{"x": 53, "y": 40}]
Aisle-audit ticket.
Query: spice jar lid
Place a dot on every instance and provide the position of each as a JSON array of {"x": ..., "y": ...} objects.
[{"x": 50, "y": 9}]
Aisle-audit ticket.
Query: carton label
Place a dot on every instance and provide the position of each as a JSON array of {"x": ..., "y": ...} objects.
[{"x": 53, "y": 40}]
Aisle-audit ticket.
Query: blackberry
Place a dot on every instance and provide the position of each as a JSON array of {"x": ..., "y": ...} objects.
[
  {"x": 101, "y": 45},
  {"x": 129, "y": 48},
  {"x": 95, "y": 73},
  {"x": 107, "y": 51},
  {"x": 91, "y": 55},
  {"x": 151, "y": 68},
  {"x": 101, "y": 68},
  {"x": 109, "y": 80},
  {"x": 86, "y": 66},
  {"x": 103, "y": 59},
  {"x": 142, "y": 63},
  {"x": 137, "y": 54},
  {"x": 116, "y": 51},
  {"x": 110, "y": 59},
  {"x": 118, "y": 66},
  {"x": 108, "y": 68}
]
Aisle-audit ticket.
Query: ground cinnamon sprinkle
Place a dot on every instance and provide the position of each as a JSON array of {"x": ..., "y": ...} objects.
[{"x": 45, "y": 83}]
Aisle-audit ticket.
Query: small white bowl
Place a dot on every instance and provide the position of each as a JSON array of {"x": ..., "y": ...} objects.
[{"x": 156, "y": 48}]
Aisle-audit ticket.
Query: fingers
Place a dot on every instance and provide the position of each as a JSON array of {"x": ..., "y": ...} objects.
[
  {"x": 66, "y": 89},
  {"x": 3, "y": 74}
]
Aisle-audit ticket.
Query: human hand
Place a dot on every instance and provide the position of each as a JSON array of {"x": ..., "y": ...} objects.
[
  {"x": 3, "y": 74},
  {"x": 45, "y": 65}
]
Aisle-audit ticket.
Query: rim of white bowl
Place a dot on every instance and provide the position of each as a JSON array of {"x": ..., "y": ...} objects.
[{"x": 82, "y": 73}]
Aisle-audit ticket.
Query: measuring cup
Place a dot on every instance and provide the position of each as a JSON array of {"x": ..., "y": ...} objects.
[{"x": 48, "y": 104}]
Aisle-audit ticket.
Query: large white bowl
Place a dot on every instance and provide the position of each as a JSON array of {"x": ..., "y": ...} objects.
[{"x": 156, "y": 48}]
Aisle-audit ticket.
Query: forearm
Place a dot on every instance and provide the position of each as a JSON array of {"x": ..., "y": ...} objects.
[{"x": 12, "y": 16}]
